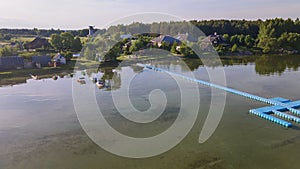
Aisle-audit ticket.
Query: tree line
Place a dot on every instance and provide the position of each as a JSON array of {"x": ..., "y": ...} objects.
[
  {"x": 253, "y": 36},
  {"x": 241, "y": 37},
  {"x": 42, "y": 32},
  {"x": 65, "y": 43}
]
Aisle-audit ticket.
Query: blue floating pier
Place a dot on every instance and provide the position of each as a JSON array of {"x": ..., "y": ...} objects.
[{"x": 278, "y": 108}]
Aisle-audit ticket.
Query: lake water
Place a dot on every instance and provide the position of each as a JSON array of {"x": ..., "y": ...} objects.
[{"x": 39, "y": 126}]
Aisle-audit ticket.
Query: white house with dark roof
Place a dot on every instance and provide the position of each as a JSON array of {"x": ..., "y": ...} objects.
[
  {"x": 215, "y": 39},
  {"x": 126, "y": 36},
  {"x": 185, "y": 37},
  {"x": 165, "y": 38},
  {"x": 60, "y": 59}
]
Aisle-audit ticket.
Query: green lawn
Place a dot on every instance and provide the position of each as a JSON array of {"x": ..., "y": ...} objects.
[{"x": 22, "y": 39}]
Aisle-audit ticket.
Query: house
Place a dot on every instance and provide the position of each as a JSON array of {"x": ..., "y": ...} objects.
[
  {"x": 165, "y": 38},
  {"x": 185, "y": 37},
  {"x": 37, "y": 43},
  {"x": 11, "y": 62},
  {"x": 58, "y": 58},
  {"x": 41, "y": 60},
  {"x": 126, "y": 36},
  {"x": 212, "y": 41},
  {"x": 215, "y": 40}
]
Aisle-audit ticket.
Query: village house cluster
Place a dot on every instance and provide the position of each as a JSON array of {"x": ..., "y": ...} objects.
[{"x": 18, "y": 62}]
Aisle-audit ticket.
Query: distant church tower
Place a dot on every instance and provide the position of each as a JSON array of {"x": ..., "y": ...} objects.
[{"x": 91, "y": 30}]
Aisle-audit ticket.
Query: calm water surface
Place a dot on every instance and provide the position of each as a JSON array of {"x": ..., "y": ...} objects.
[{"x": 39, "y": 126}]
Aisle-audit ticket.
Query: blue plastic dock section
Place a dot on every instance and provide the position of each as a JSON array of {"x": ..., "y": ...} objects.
[{"x": 279, "y": 104}]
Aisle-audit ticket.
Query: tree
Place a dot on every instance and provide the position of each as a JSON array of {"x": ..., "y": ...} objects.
[
  {"x": 220, "y": 49},
  {"x": 36, "y": 31},
  {"x": 226, "y": 37},
  {"x": 289, "y": 41},
  {"x": 234, "y": 48},
  {"x": 174, "y": 48},
  {"x": 184, "y": 49},
  {"x": 117, "y": 36},
  {"x": 136, "y": 45},
  {"x": 249, "y": 41},
  {"x": 283, "y": 41},
  {"x": 268, "y": 45},
  {"x": 234, "y": 40},
  {"x": 7, "y": 51},
  {"x": 166, "y": 46},
  {"x": 7, "y": 37},
  {"x": 267, "y": 36},
  {"x": 113, "y": 53},
  {"x": 89, "y": 53},
  {"x": 68, "y": 55},
  {"x": 67, "y": 40},
  {"x": 241, "y": 40},
  {"x": 56, "y": 42},
  {"x": 77, "y": 45}
]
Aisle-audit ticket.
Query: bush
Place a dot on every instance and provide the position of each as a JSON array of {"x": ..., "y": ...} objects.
[
  {"x": 8, "y": 51},
  {"x": 68, "y": 55},
  {"x": 220, "y": 49},
  {"x": 28, "y": 55},
  {"x": 234, "y": 48}
]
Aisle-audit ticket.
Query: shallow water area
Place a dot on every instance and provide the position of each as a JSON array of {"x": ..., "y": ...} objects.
[{"x": 39, "y": 126}]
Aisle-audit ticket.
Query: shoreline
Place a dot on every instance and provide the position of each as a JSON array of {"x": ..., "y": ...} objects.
[{"x": 12, "y": 77}]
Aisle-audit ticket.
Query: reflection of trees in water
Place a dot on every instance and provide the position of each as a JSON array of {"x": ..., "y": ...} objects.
[
  {"x": 269, "y": 65},
  {"x": 238, "y": 60},
  {"x": 111, "y": 78},
  {"x": 12, "y": 81},
  {"x": 22, "y": 77},
  {"x": 116, "y": 81},
  {"x": 136, "y": 69},
  {"x": 264, "y": 65},
  {"x": 192, "y": 64}
]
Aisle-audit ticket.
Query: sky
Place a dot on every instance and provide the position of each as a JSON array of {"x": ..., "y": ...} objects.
[{"x": 78, "y": 14}]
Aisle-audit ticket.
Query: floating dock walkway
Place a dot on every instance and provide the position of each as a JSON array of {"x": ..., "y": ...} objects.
[{"x": 278, "y": 108}]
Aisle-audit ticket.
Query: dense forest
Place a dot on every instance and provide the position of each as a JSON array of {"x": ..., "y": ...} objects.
[{"x": 240, "y": 36}]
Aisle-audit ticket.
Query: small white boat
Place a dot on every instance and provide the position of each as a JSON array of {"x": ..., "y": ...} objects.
[
  {"x": 35, "y": 77},
  {"x": 100, "y": 84},
  {"x": 81, "y": 81},
  {"x": 55, "y": 77}
]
